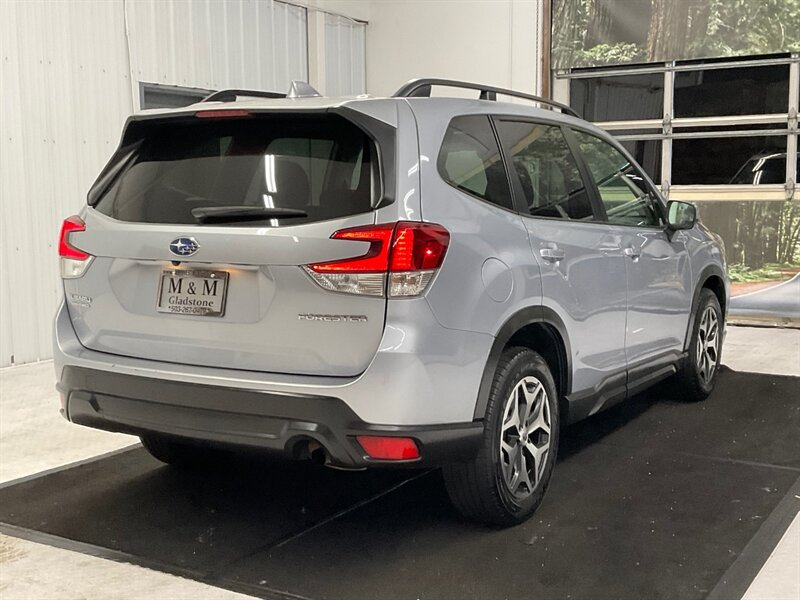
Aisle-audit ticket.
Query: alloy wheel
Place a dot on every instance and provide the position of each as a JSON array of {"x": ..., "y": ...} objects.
[
  {"x": 707, "y": 344},
  {"x": 525, "y": 437}
]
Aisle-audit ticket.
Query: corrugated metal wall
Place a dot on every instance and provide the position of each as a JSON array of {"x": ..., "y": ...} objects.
[
  {"x": 68, "y": 79},
  {"x": 345, "y": 56},
  {"x": 255, "y": 44}
]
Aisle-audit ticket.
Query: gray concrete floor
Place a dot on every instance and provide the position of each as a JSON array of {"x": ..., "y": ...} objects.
[{"x": 34, "y": 438}]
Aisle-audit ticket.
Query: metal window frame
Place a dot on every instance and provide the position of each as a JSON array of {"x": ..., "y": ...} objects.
[
  {"x": 674, "y": 66},
  {"x": 671, "y": 128}
]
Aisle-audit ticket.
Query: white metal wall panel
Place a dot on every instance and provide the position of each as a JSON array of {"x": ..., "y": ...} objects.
[
  {"x": 65, "y": 94},
  {"x": 65, "y": 91},
  {"x": 211, "y": 44},
  {"x": 345, "y": 56}
]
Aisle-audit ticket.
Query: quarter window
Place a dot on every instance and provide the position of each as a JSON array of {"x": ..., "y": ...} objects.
[
  {"x": 551, "y": 183},
  {"x": 623, "y": 191},
  {"x": 470, "y": 160}
]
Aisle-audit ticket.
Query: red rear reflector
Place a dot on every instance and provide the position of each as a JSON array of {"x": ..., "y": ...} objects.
[
  {"x": 65, "y": 249},
  {"x": 389, "y": 448},
  {"x": 222, "y": 114},
  {"x": 395, "y": 247}
]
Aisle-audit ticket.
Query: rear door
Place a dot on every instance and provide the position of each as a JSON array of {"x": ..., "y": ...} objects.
[
  {"x": 170, "y": 283},
  {"x": 657, "y": 265},
  {"x": 583, "y": 270}
]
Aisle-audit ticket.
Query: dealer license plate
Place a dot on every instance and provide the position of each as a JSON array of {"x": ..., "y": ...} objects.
[{"x": 192, "y": 292}]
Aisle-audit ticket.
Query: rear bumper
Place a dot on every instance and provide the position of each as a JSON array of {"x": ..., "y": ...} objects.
[
  {"x": 275, "y": 421},
  {"x": 422, "y": 374}
]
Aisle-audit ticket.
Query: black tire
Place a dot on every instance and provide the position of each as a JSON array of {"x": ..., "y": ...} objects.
[
  {"x": 478, "y": 489},
  {"x": 692, "y": 382},
  {"x": 180, "y": 453}
]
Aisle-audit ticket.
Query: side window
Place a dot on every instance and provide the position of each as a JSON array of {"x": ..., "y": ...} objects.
[
  {"x": 623, "y": 191},
  {"x": 470, "y": 160},
  {"x": 549, "y": 175}
]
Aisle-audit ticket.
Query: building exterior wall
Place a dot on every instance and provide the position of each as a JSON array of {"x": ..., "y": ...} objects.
[
  {"x": 216, "y": 45},
  {"x": 488, "y": 41},
  {"x": 69, "y": 77},
  {"x": 71, "y": 74}
]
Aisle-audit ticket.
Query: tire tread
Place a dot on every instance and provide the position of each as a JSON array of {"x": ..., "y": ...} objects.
[{"x": 470, "y": 485}]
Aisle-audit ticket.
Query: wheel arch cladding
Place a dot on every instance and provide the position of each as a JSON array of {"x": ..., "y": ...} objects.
[
  {"x": 711, "y": 278},
  {"x": 716, "y": 285},
  {"x": 542, "y": 330}
]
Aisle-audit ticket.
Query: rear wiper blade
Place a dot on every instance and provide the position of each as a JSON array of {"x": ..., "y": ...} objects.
[{"x": 232, "y": 214}]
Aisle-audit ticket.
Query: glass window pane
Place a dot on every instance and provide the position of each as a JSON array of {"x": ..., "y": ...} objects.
[
  {"x": 470, "y": 160},
  {"x": 712, "y": 129},
  {"x": 636, "y": 132},
  {"x": 549, "y": 175},
  {"x": 623, "y": 192},
  {"x": 742, "y": 91},
  {"x": 158, "y": 96},
  {"x": 760, "y": 238},
  {"x": 715, "y": 161},
  {"x": 320, "y": 164},
  {"x": 619, "y": 98},
  {"x": 648, "y": 154}
]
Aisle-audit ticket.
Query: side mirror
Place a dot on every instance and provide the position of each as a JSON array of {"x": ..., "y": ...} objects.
[{"x": 680, "y": 215}]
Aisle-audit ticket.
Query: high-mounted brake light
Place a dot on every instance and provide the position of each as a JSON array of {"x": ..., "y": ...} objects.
[
  {"x": 389, "y": 448},
  {"x": 222, "y": 114},
  {"x": 73, "y": 260},
  {"x": 406, "y": 253}
]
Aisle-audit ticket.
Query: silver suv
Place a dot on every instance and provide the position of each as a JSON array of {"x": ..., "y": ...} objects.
[{"x": 380, "y": 282}]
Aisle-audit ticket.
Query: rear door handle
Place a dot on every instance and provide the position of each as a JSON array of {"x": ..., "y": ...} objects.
[{"x": 551, "y": 254}]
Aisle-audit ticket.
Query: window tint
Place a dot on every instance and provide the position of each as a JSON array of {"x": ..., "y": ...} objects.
[
  {"x": 155, "y": 95},
  {"x": 647, "y": 153},
  {"x": 550, "y": 179},
  {"x": 740, "y": 91},
  {"x": 715, "y": 161},
  {"x": 623, "y": 191},
  {"x": 764, "y": 169},
  {"x": 470, "y": 160},
  {"x": 319, "y": 164}
]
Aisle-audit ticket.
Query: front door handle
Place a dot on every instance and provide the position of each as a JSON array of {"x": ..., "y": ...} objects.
[
  {"x": 551, "y": 254},
  {"x": 634, "y": 253}
]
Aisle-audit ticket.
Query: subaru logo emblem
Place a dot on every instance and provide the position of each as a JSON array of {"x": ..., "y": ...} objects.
[{"x": 184, "y": 246}]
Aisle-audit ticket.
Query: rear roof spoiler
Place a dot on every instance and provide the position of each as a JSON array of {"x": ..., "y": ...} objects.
[
  {"x": 421, "y": 88},
  {"x": 297, "y": 89}
]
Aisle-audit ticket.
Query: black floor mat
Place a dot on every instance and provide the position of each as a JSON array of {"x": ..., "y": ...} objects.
[{"x": 652, "y": 499}]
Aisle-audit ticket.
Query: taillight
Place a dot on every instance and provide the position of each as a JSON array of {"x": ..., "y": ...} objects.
[
  {"x": 418, "y": 250},
  {"x": 389, "y": 448},
  {"x": 406, "y": 253},
  {"x": 73, "y": 260}
]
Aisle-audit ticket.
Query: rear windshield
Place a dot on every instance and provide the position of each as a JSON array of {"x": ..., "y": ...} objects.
[{"x": 320, "y": 164}]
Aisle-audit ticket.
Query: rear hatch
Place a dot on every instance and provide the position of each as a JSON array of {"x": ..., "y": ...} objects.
[{"x": 200, "y": 229}]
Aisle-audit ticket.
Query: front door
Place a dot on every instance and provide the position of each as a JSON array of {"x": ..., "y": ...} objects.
[
  {"x": 657, "y": 264},
  {"x": 582, "y": 265}
]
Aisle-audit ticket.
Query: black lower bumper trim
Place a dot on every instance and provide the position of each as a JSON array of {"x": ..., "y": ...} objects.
[{"x": 274, "y": 421}]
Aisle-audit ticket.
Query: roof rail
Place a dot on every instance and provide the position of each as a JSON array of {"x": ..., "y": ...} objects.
[
  {"x": 421, "y": 88},
  {"x": 231, "y": 95}
]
